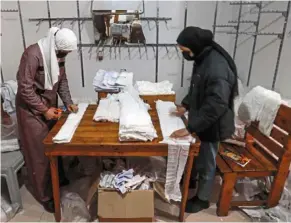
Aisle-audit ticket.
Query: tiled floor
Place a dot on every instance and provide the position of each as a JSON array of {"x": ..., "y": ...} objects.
[{"x": 33, "y": 212}]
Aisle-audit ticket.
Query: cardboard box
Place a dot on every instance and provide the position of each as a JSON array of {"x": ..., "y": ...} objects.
[{"x": 134, "y": 206}]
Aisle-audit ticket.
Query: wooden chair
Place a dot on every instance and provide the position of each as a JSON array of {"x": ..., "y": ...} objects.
[{"x": 270, "y": 156}]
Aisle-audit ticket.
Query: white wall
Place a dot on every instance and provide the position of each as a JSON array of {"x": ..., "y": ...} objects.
[{"x": 199, "y": 14}]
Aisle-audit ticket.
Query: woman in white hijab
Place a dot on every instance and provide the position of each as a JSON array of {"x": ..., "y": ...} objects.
[{"x": 41, "y": 77}]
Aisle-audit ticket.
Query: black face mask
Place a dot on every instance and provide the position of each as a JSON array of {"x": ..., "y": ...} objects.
[
  {"x": 61, "y": 54},
  {"x": 187, "y": 56}
]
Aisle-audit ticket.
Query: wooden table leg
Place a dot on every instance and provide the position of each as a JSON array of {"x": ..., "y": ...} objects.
[
  {"x": 186, "y": 181},
  {"x": 56, "y": 186}
]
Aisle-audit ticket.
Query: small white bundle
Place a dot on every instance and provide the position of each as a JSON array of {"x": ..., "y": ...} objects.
[
  {"x": 135, "y": 121},
  {"x": 68, "y": 129},
  {"x": 9, "y": 145},
  {"x": 107, "y": 110},
  {"x": 149, "y": 88}
]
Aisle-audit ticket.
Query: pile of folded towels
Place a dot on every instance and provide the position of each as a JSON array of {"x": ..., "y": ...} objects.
[
  {"x": 149, "y": 88},
  {"x": 135, "y": 122},
  {"x": 112, "y": 80}
]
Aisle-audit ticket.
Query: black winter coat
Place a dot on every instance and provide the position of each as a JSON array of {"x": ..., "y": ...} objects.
[{"x": 209, "y": 100}]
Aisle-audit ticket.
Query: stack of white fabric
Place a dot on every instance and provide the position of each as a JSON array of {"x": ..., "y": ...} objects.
[
  {"x": 135, "y": 121},
  {"x": 108, "y": 109},
  {"x": 112, "y": 80},
  {"x": 149, "y": 88},
  {"x": 9, "y": 145},
  {"x": 68, "y": 129},
  {"x": 178, "y": 149},
  {"x": 8, "y": 93},
  {"x": 261, "y": 105}
]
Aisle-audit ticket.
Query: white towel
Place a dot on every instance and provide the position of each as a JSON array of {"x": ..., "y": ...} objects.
[
  {"x": 8, "y": 93},
  {"x": 68, "y": 129},
  {"x": 9, "y": 145},
  {"x": 261, "y": 105},
  {"x": 135, "y": 121},
  {"x": 107, "y": 110},
  {"x": 178, "y": 149},
  {"x": 149, "y": 88}
]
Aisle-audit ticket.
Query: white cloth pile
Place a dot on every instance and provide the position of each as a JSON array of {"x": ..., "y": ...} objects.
[
  {"x": 149, "y": 88},
  {"x": 68, "y": 129},
  {"x": 108, "y": 110},
  {"x": 112, "y": 80},
  {"x": 56, "y": 39},
  {"x": 124, "y": 181},
  {"x": 9, "y": 145},
  {"x": 8, "y": 93},
  {"x": 135, "y": 122},
  {"x": 261, "y": 105},
  {"x": 178, "y": 149}
]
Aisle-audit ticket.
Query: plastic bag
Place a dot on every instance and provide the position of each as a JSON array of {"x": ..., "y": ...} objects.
[{"x": 74, "y": 208}]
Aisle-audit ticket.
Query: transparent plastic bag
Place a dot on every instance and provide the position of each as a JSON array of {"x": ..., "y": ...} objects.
[{"x": 74, "y": 208}]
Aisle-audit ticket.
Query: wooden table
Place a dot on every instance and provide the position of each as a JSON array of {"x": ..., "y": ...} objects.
[{"x": 101, "y": 139}]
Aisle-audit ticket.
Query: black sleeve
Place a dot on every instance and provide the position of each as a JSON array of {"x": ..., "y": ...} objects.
[
  {"x": 215, "y": 104},
  {"x": 185, "y": 102}
]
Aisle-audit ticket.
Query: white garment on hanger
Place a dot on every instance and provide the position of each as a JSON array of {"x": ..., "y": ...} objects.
[
  {"x": 68, "y": 129},
  {"x": 261, "y": 105},
  {"x": 178, "y": 149}
]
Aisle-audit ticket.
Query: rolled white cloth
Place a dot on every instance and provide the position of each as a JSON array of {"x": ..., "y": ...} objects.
[
  {"x": 56, "y": 39},
  {"x": 107, "y": 110}
]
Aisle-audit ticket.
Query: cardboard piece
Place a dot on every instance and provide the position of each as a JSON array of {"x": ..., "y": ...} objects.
[{"x": 135, "y": 205}]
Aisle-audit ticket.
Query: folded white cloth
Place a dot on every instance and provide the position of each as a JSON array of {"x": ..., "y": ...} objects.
[
  {"x": 108, "y": 110},
  {"x": 68, "y": 129},
  {"x": 149, "y": 88},
  {"x": 178, "y": 149},
  {"x": 9, "y": 145},
  {"x": 261, "y": 105},
  {"x": 135, "y": 121},
  {"x": 8, "y": 93},
  {"x": 112, "y": 80}
]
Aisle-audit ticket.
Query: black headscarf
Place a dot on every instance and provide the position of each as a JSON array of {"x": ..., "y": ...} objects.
[{"x": 197, "y": 39}]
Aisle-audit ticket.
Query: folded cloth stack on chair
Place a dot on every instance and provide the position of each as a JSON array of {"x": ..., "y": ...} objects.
[
  {"x": 8, "y": 93},
  {"x": 135, "y": 121}
]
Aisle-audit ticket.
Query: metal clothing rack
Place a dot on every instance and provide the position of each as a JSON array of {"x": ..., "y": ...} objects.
[{"x": 236, "y": 25}]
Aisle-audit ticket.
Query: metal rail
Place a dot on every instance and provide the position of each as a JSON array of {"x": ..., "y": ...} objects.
[
  {"x": 237, "y": 31},
  {"x": 157, "y": 42}
]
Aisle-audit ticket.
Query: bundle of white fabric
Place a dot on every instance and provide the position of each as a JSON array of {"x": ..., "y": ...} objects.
[
  {"x": 135, "y": 121},
  {"x": 112, "y": 80},
  {"x": 8, "y": 93},
  {"x": 68, "y": 129},
  {"x": 9, "y": 145},
  {"x": 261, "y": 105},
  {"x": 149, "y": 88},
  {"x": 178, "y": 149},
  {"x": 108, "y": 110}
]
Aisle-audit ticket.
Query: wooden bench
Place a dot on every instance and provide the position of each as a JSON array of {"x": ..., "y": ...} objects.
[{"x": 270, "y": 156}]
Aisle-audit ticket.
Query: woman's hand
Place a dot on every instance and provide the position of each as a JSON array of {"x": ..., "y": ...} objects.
[
  {"x": 179, "y": 112},
  {"x": 73, "y": 108},
  {"x": 51, "y": 114},
  {"x": 180, "y": 133}
]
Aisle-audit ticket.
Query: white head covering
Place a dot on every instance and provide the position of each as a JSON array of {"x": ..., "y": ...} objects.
[{"x": 56, "y": 39}]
